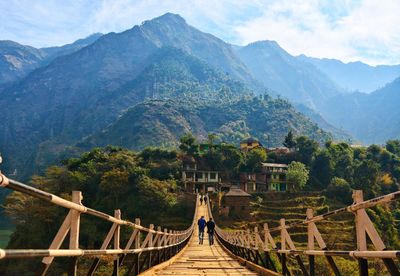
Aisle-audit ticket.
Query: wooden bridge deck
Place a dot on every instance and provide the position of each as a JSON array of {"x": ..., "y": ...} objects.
[{"x": 204, "y": 259}]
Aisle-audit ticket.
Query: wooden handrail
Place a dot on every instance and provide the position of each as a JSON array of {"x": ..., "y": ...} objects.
[
  {"x": 169, "y": 242},
  {"x": 255, "y": 240}
]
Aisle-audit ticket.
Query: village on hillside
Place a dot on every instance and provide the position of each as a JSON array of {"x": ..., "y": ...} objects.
[{"x": 199, "y": 176}]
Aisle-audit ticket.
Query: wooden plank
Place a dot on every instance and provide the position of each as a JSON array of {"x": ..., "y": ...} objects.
[{"x": 203, "y": 259}]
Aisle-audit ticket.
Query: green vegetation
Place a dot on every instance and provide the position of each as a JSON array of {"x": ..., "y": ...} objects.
[
  {"x": 373, "y": 169},
  {"x": 297, "y": 174},
  {"x": 141, "y": 184},
  {"x": 230, "y": 119},
  {"x": 146, "y": 184}
]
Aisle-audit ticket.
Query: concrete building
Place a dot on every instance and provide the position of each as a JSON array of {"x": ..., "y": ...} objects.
[
  {"x": 272, "y": 178},
  {"x": 199, "y": 177}
]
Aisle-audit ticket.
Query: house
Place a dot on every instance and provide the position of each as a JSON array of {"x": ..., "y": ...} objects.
[
  {"x": 249, "y": 144},
  {"x": 279, "y": 150},
  {"x": 275, "y": 175},
  {"x": 197, "y": 176},
  {"x": 236, "y": 201},
  {"x": 272, "y": 178}
]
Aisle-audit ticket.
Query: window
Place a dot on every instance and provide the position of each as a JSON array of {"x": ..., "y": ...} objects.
[
  {"x": 199, "y": 175},
  {"x": 189, "y": 175},
  {"x": 213, "y": 175}
]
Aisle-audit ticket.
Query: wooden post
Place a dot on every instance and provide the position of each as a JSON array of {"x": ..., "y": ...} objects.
[
  {"x": 104, "y": 245},
  {"x": 310, "y": 243},
  {"x": 165, "y": 242},
  {"x": 117, "y": 214},
  {"x": 360, "y": 233},
  {"x": 137, "y": 245},
  {"x": 74, "y": 231},
  {"x": 313, "y": 233},
  {"x": 159, "y": 244},
  {"x": 285, "y": 238},
  {"x": 268, "y": 240},
  {"x": 55, "y": 244},
  {"x": 283, "y": 247},
  {"x": 150, "y": 244}
]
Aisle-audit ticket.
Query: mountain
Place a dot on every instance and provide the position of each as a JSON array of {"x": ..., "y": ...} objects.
[
  {"x": 338, "y": 134},
  {"x": 296, "y": 80},
  {"x": 172, "y": 30},
  {"x": 63, "y": 100},
  {"x": 371, "y": 118},
  {"x": 17, "y": 61},
  {"x": 163, "y": 122},
  {"x": 54, "y": 52},
  {"x": 82, "y": 94},
  {"x": 355, "y": 76},
  {"x": 62, "y": 119}
]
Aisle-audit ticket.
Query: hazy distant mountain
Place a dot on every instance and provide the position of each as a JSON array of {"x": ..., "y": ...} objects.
[
  {"x": 17, "y": 61},
  {"x": 53, "y": 52},
  {"x": 371, "y": 118},
  {"x": 289, "y": 76},
  {"x": 354, "y": 76},
  {"x": 338, "y": 134}
]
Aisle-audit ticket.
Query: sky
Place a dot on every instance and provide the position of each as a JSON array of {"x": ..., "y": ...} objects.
[{"x": 349, "y": 30}]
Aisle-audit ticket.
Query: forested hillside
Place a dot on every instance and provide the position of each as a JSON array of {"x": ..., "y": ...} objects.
[{"x": 164, "y": 122}]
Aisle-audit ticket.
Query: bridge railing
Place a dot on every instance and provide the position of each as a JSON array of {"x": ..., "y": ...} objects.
[
  {"x": 147, "y": 246},
  {"x": 257, "y": 245}
]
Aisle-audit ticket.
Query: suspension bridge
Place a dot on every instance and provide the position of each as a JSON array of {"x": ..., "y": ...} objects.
[{"x": 157, "y": 251}]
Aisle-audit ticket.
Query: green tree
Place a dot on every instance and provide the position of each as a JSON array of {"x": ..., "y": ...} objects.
[
  {"x": 211, "y": 138},
  {"x": 254, "y": 159},
  {"x": 374, "y": 152},
  {"x": 393, "y": 146},
  {"x": 232, "y": 158},
  {"x": 297, "y": 175},
  {"x": 366, "y": 175},
  {"x": 306, "y": 149},
  {"x": 342, "y": 160},
  {"x": 321, "y": 170},
  {"x": 188, "y": 144},
  {"x": 340, "y": 190},
  {"x": 289, "y": 140}
]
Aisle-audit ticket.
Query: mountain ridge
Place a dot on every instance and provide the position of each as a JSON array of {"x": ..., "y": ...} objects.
[
  {"x": 356, "y": 76},
  {"x": 17, "y": 60},
  {"x": 78, "y": 95}
]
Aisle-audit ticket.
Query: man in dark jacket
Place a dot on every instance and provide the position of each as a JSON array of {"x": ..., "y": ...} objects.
[
  {"x": 210, "y": 231},
  {"x": 202, "y": 224}
]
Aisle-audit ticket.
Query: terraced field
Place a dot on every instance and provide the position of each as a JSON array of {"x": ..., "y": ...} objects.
[{"x": 338, "y": 231}]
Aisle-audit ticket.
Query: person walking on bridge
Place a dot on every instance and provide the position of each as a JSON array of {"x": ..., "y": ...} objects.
[
  {"x": 205, "y": 200},
  {"x": 201, "y": 199},
  {"x": 210, "y": 231},
  {"x": 202, "y": 225}
]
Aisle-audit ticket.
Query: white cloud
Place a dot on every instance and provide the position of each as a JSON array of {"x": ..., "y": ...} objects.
[
  {"x": 349, "y": 30},
  {"x": 366, "y": 31}
]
